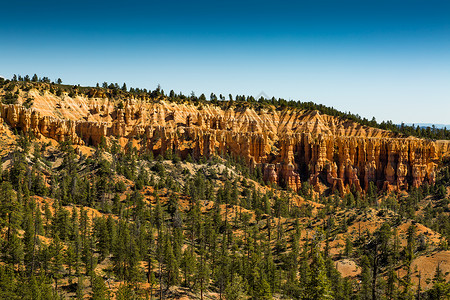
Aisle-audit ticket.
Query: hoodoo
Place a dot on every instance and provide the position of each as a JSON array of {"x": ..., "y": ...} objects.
[{"x": 289, "y": 145}]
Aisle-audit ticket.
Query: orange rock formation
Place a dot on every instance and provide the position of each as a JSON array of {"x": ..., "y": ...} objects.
[{"x": 288, "y": 145}]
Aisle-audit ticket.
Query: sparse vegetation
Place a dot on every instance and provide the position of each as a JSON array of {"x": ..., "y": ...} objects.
[{"x": 118, "y": 221}]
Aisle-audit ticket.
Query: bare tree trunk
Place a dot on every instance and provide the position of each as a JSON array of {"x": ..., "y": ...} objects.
[
  {"x": 9, "y": 227},
  {"x": 201, "y": 289},
  {"x": 375, "y": 272},
  {"x": 160, "y": 281},
  {"x": 149, "y": 270},
  {"x": 35, "y": 242}
]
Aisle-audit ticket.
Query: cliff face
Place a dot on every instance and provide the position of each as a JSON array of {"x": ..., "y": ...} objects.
[{"x": 288, "y": 146}]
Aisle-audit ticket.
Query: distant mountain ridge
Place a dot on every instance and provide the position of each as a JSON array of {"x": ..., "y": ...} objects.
[{"x": 425, "y": 125}]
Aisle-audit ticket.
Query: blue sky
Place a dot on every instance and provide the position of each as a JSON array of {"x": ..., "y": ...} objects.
[{"x": 388, "y": 59}]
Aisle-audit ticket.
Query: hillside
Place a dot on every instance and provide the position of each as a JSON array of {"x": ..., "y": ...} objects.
[
  {"x": 114, "y": 194},
  {"x": 279, "y": 143}
]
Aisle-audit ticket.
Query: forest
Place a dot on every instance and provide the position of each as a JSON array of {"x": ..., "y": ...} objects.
[
  {"x": 114, "y": 222},
  {"x": 128, "y": 225}
]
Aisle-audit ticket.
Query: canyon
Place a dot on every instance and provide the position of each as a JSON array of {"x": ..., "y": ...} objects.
[{"x": 289, "y": 146}]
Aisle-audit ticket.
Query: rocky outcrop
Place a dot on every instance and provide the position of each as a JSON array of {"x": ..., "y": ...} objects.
[
  {"x": 289, "y": 146},
  {"x": 356, "y": 161},
  {"x": 32, "y": 121}
]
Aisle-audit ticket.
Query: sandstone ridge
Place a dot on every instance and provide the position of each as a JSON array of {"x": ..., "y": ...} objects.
[{"x": 289, "y": 146}]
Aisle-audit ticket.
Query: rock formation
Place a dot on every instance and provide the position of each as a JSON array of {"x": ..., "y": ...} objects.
[{"x": 288, "y": 145}]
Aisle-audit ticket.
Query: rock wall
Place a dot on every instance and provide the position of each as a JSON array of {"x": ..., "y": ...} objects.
[
  {"x": 345, "y": 161},
  {"x": 290, "y": 146}
]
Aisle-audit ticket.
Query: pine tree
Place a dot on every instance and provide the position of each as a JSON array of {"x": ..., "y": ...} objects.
[
  {"x": 69, "y": 260},
  {"x": 440, "y": 288},
  {"x": 202, "y": 276},
  {"x": 80, "y": 288},
  {"x": 14, "y": 249},
  {"x": 188, "y": 265},
  {"x": 411, "y": 242},
  {"x": 57, "y": 259},
  {"x": 263, "y": 289},
  {"x": 366, "y": 278},
  {"x": 126, "y": 292},
  {"x": 319, "y": 285},
  {"x": 29, "y": 242},
  {"x": 348, "y": 249},
  {"x": 236, "y": 289},
  {"x": 406, "y": 282},
  {"x": 48, "y": 219},
  {"x": 9, "y": 214},
  {"x": 170, "y": 262},
  {"x": 37, "y": 288},
  {"x": 99, "y": 288},
  {"x": 391, "y": 289},
  {"x": 103, "y": 242}
]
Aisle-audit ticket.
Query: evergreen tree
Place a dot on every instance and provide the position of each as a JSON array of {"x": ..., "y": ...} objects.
[
  {"x": 29, "y": 241},
  {"x": 188, "y": 265},
  {"x": 56, "y": 259},
  {"x": 202, "y": 276},
  {"x": 366, "y": 278},
  {"x": 236, "y": 289},
  {"x": 440, "y": 288},
  {"x": 319, "y": 285},
  {"x": 80, "y": 288},
  {"x": 99, "y": 288},
  {"x": 411, "y": 242}
]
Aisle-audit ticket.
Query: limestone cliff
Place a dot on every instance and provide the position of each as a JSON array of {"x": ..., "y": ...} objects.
[{"x": 287, "y": 145}]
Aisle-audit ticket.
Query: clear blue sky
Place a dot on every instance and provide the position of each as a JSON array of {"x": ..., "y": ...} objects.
[{"x": 388, "y": 59}]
